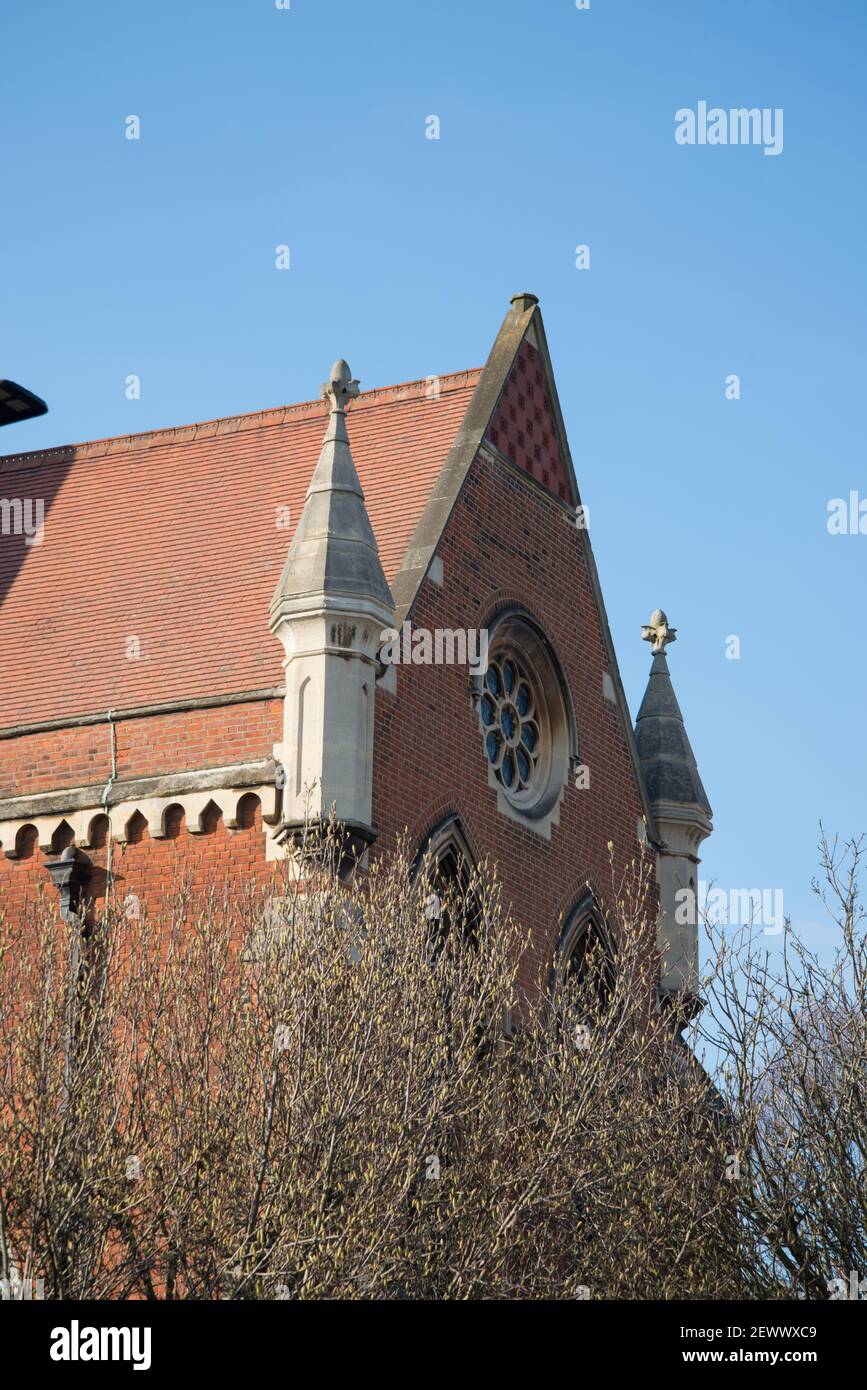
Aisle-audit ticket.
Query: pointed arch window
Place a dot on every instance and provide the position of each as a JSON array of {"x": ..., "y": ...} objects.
[
  {"x": 585, "y": 959},
  {"x": 451, "y": 901}
]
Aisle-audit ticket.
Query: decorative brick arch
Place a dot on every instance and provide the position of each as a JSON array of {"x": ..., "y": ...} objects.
[{"x": 447, "y": 832}]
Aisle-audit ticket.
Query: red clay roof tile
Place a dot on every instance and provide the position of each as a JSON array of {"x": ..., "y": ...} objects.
[{"x": 171, "y": 537}]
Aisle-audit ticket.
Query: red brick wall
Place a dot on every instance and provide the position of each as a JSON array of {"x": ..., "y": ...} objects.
[
  {"x": 146, "y": 747},
  {"x": 149, "y": 747},
  {"x": 152, "y": 870},
  {"x": 508, "y": 541},
  {"x": 522, "y": 426}
]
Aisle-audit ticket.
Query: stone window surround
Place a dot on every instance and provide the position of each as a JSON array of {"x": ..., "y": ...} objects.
[{"x": 515, "y": 628}]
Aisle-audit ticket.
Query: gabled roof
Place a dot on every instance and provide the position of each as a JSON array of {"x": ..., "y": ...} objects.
[
  {"x": 177, "y": 538},
  {"x": 519, "y": 355},
  {"x": 499, "y": 414},
  {"x": 171, "y": 538}
]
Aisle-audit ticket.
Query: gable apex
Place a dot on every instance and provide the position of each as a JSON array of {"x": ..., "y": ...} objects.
[
  {"x": 522, "y": 314},
  {"x": 522, "y": 328},
  {"x": 524, "y": 426}
]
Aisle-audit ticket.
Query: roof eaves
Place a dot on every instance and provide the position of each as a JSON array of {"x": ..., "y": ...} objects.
[{"x": 301, "y": 413}]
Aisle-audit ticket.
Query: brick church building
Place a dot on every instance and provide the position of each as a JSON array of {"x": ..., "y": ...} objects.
[{"x": 214, "y": 635}]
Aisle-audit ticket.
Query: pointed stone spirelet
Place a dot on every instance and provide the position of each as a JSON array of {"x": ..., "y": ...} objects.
[
  {"x": 682, "y": 815},
  {"x": 333, "y": 552},
  {"x": 667, "y": 760},
  {"x": 330, "y": 607}
]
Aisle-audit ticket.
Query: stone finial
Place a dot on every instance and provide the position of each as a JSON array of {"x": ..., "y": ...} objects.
[
  {"x": 658, "y": 632},
  {"x": 341, "y": 386}
]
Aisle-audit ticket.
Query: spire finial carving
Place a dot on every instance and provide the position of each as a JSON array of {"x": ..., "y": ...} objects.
[
  {"x": 658, "y": 632},
  {"x": 340, "y": 387}
]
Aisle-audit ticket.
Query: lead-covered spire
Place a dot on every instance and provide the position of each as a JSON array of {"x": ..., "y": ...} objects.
[
  {"x": 666, "y": 756},
  {"x": 682, "y": 816}
]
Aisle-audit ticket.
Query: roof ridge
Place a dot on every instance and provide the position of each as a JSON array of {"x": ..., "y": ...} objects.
[{"x": 396, "y": 394}]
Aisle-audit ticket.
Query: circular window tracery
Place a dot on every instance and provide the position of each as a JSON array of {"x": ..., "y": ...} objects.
[
  {"x": 524, "y": 722},
  {"x": 509, "y": 716}
]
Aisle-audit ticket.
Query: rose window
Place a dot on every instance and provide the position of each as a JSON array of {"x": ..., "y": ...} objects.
[{"x": 511, "y": 725}]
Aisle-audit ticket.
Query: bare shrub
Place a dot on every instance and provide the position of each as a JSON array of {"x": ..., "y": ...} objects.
[
  {"x": 354, "y": 1092},
  {"x": 790, "y": 1034}
]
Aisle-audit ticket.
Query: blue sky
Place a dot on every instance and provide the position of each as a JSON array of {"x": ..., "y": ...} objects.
[{"x": 307, "y": 127}]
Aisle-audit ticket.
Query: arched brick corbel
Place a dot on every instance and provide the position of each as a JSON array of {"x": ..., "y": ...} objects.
[{"x": 83, "y": 821}]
